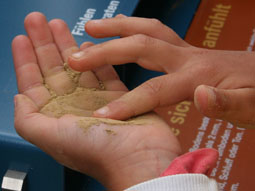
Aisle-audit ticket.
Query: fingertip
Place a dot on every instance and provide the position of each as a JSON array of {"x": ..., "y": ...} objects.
[
  {"x": 34, "y": 14},
  {"x": 87, "y": 27},
  {"x": 18, "y": 38},
  {"x": 86, "y": 45},
  {"x": 74, "y": 61},
  {"x": 20, "y": 42},
  {"x": 101, "y": 28},
  {"x": 61, "y": 33},
  {"x": 91, "y": 27},
  {"x": 58, "y": 24},
  {"x": 77, "y": 55},
  {"x": 34, "y": 19},
  {"x": 73, "y": 64},
  {"x": 84, "y": 60},
  {"x": 117, "y": 110},
  {"x": 102, "y": 112}
]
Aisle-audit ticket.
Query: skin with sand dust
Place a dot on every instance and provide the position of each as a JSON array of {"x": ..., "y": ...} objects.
[{"x": 83, "y": 102}]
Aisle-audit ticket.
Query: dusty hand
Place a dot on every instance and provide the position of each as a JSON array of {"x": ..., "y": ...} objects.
[
  {"x": 222, "y": 83},
  {"x": 115, "y": 153}
]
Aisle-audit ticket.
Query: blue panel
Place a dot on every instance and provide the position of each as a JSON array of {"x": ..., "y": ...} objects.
[
  {"x": 177, "y": 14},
  {"x": 43, "y": 173}
]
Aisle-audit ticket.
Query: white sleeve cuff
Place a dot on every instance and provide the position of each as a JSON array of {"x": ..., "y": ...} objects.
[{"x": 180, "y": 182}]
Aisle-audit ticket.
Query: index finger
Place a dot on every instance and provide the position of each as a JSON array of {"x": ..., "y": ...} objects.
[
  {"x": 148, "y": 52},
  {"x": 127, "y": 26},
  {"x": 160, "y": 91}
]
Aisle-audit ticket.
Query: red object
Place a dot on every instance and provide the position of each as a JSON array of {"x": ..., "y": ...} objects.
[{"x": 200, "y": 161}]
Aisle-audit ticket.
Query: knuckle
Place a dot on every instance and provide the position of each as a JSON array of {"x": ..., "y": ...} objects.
[
  {"x": 153, "y": 88},
  {"x": 120, "y": 16},
  {"x": 100, "y": 49},
  {"x": 155, "y": 22},
  {"x": 204, "y": 69},
  {"x": 171, "y": 31},
  {"x": 199, "y": 54},
  {"x": 201, "y": 62},
  {"x": 162, "y": 27},
  {"x": 143, "y": 40},
  {"x": 199, "y": 51}
]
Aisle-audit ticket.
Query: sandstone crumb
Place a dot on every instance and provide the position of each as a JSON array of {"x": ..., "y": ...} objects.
[{"x": 110, "y": 132}]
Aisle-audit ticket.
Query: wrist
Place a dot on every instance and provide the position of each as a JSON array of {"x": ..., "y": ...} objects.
[{"x": 141, "y": 166}]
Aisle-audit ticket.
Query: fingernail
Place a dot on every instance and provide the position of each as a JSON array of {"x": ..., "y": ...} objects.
[
  {"x": 120, "y": 16},
  {"x": 211, "y": 96},
  {"x": 102, "y": 111},
  {"x": 77, "y": 55}
]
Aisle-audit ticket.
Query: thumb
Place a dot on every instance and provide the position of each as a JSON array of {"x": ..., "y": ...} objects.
[
  {"x": 159, "y": 91},
  {"x": 30, "y": 124},
  {"x": 23, "y": 105},
  {"x": 236, "y": 105},
  {"x": 23, "y": 108}
]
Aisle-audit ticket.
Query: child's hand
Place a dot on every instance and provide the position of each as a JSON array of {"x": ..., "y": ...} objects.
[
  {"x": 222, "y": 83},
  {"x": 115, "y": 153}
]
